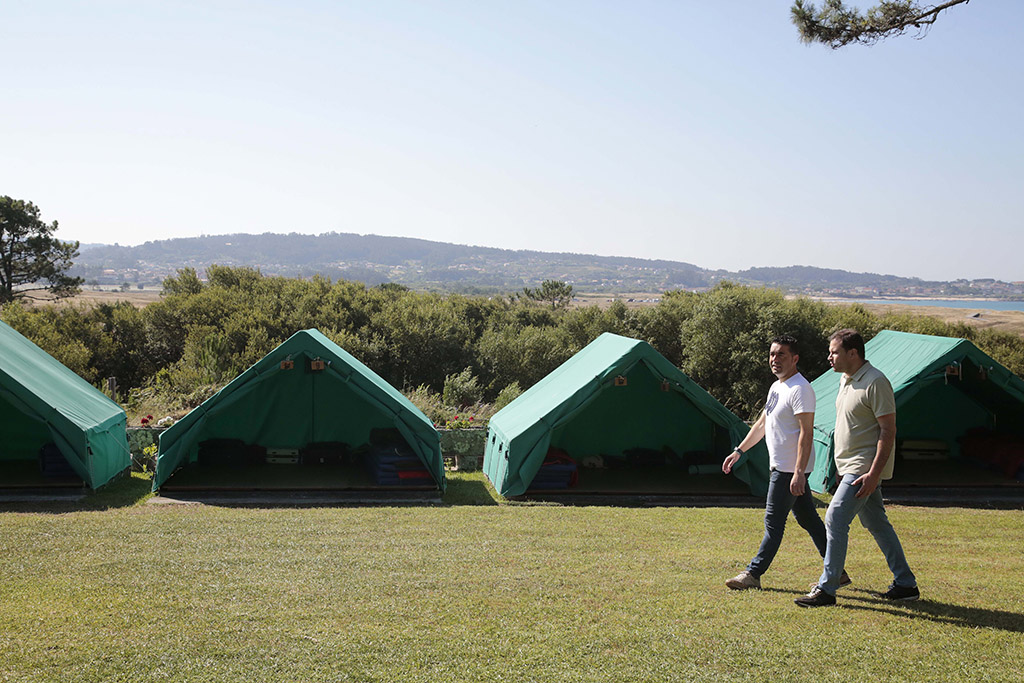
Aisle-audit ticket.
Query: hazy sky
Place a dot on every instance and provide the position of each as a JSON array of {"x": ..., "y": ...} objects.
[{"x": 694, "y": 131}]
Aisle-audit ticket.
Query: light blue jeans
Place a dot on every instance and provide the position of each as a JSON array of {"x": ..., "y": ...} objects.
[{"x": 844, "y": 507}]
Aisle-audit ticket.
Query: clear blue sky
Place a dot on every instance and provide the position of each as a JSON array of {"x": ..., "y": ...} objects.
[{"x": 694, "y": 131}]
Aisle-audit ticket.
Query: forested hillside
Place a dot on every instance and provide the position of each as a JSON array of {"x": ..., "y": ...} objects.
[{"x": 372, "y": 259}]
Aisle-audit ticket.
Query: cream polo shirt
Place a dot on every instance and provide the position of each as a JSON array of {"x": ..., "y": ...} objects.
[{"x": 862, "y": 399}]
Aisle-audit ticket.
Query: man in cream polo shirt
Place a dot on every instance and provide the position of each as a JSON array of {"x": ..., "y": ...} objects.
[
  {"x": 865, "y": 439},
  {"x": 786, "y": 425}
]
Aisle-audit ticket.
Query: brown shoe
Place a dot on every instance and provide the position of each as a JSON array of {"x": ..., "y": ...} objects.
[{"x": 743, "y": 581}]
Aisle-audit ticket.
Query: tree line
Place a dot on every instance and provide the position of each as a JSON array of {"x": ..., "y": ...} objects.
[{"x": 178, "y": 351}]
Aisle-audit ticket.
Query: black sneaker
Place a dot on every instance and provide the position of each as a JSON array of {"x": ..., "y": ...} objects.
[
  {"x": 900, "y": 593},
  {"x": 816, "y": 598}
]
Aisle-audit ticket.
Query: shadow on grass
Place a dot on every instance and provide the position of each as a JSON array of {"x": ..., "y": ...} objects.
[
  {"x": 940, "y": 612},
  {"x": 469, "y": 489},
  {"x": 930, "y": 610},
  {"x": 124, "y": 491}
]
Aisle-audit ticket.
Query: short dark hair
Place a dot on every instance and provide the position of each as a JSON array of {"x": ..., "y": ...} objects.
[
  {"x": 849, "y": 339},
  {"x": 789, "y": 341}
]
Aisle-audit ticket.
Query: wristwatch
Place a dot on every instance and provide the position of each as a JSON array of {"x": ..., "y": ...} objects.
[{"x": 738, "y": 450}]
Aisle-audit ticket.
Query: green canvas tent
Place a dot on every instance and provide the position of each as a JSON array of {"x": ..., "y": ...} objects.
[
  {"x": 615, "y": 396},
  {"x": 43, "y": 402},
  {"x": 946, "y": 389},
  {"x": 307, "y": 390}
]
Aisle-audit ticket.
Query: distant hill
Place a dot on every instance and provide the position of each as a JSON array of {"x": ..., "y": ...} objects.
[
  {"x": 439, "y": 266},
  {"x": 810, "y": 276},
  {"x": 374, "y": 259}
]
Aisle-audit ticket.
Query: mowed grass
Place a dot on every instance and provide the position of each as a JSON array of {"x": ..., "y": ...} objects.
[{"x": 491, "y": 593}]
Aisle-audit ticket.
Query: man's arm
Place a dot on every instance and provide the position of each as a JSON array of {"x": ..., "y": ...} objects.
[
  {"x": 886, "y": 438},
  {"x": 804, "y": 443},
  {"x": 755, "y": 434}
]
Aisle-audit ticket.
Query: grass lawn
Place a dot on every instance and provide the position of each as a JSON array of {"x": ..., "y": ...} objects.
[{"x": 118, "y": 591}]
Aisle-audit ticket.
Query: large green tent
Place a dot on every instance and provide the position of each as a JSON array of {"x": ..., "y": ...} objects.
[
  {"x": 945, "y": 389},
  {"x": 43, "y": 402},
  {"x": 615, "y": 395},
  {"x": 305, "y": 391}
]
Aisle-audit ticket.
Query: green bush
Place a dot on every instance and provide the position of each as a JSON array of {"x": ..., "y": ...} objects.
[
  {"x": 507, "y": 395},
  {"x": 459, "y": 351},
  {"x": 461, "y": 390},
  {"x": 430, "y": 403}
]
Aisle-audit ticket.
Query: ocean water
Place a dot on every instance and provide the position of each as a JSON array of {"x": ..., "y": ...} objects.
[{"x": 947, "y": 303}]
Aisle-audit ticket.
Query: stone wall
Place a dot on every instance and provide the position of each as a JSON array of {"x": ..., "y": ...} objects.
[
  {"x": 138, "y": 439},
  {"x": 463, "y": 449}
]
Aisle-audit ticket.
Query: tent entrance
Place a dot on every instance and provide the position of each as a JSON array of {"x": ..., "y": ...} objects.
[
  {"x": 981, "y": 458},
  {"x": 272, "y": 477},
  {"x": 960, "y": 431},
  {"x": 663, "y": 480},
  {"x": 386, "y": 462},
  {"x": 28, "y": 474},
  {"x": 28, "y": 457}
]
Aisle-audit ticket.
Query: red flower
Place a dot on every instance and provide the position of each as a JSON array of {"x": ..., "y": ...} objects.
[
  {"x": 149, "y": 417},
  {"x": 144, "y": 420},
  {"x": 470, "y": 418}
]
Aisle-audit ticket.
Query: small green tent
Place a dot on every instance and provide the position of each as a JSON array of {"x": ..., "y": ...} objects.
[
  {"x": 43, "y": 402},
  {"x": 288, "y": 399},
  {"x": 615, "y": 395},
  {"x": 945, "y": 389}
]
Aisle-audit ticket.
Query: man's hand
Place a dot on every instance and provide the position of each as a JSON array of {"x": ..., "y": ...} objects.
[
  {"x": 797, "y": 483},
  {"x": 728, "y": 463},
  {"x": 868, "y": 483},
  {"x": 886, "y": 438},
  {"x": 755, "y": 434}
]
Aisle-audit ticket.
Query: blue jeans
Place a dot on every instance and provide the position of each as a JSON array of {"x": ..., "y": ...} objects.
[
  {"x": 780, "y": 502},
  {"x": 844, "y": 507}
]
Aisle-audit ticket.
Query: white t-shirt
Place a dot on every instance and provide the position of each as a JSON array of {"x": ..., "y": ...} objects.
[{"x": 787, "y": 399}]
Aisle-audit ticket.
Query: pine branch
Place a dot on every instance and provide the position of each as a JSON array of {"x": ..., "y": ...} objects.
[{"x": 836, "y": 25}]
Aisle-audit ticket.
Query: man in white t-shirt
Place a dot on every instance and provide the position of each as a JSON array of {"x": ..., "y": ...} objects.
[{"x": 786, "y": 424}]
